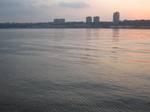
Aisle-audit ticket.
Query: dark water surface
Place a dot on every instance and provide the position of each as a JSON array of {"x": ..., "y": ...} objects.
[{"x": 74, "y": 70}]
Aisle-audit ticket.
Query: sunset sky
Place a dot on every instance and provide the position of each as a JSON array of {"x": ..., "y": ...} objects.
[{"x": 46, "y": 10}]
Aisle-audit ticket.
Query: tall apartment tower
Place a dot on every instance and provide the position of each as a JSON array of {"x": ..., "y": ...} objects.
[
  {"x": 96, "y": 19},
  {"x": 89, "y": 19},
  {"x": 116, "y": 17}
]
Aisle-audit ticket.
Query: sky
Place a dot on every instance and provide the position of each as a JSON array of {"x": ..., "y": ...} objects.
[{"x": 72, "y": 10}]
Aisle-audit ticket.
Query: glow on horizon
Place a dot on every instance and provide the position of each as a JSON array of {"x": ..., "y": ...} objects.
[{"x": 129, "y": 9}]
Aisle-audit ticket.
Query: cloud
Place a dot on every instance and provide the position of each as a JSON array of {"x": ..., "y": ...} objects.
[{"x": 75, "y": 5}]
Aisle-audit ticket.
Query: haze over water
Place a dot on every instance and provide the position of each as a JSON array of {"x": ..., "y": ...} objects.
[{"x": 74, "y": 70}]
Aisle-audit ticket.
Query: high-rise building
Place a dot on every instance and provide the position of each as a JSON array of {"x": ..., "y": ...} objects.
[
  {"x": 96, "y": 19},
  {"x": 89, "y": 19},
  {"x": 116, "y": 17}
]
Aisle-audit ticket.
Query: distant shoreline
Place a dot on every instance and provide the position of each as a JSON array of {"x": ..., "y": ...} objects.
[
  {"x": 78, "y": 25},
  {"x": 78, "y": 28}
]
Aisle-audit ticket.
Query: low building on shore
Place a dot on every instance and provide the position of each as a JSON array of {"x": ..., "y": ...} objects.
[{"x": 59, "y": 21}]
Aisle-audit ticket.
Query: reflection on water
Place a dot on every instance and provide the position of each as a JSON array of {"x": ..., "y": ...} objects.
[
  {"x": 75, "y": 70},
  {"x": 115, "y": 35}
]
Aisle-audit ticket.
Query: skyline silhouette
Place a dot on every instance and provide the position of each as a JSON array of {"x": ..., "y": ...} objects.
[{"x": 116, "y": 18}]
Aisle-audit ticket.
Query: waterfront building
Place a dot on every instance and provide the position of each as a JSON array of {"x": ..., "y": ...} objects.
[
  {"x": 116, "y": 17},
  {"x": 59, "y": 21},
  {"x": 96, "y": 19},
  {"x": 89, "y": 19}
]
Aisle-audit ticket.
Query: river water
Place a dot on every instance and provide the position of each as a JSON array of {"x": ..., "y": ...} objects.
[{"x": 75, "y": 70}]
